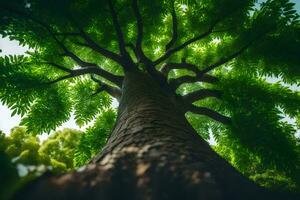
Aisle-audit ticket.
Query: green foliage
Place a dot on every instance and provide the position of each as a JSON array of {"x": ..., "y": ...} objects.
[
  {"x": 275, "y": 181},
  {"x": 252, "y": 166},
  {"x": 60, "y": 148},
  {"x": 17, "y": 84},
  {"x": 49, "y": 111},
  {"x": 23, "y": 90},
  {"x": 95, "y": 137},
  {"x": 87, "y": 105},
  {"x": 23, "y": 157},
  {"x": 22, "y": 147},
  {"x": 57, "y": 151},
  {"x": 256, "y": 108},
  {"x": 63, "y": 150}
]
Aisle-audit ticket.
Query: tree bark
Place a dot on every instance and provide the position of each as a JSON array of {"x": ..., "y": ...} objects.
[{"x": 153, "y": 153}]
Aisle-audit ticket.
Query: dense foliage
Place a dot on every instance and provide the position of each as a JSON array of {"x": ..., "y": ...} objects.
[
  {"x": 23, "y": 156},
  {"x": 216, "y": 55}
]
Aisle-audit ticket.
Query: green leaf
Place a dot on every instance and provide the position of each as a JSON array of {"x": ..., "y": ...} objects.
[
  {"x": 86, "y": 104},
  {"x": 49, "y": 110}
]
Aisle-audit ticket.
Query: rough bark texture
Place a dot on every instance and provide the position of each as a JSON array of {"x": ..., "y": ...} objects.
[{"x": 152, "y": 153}]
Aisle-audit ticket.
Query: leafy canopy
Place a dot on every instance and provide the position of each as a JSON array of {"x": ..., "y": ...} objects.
[{"x": 214, "y": 55}]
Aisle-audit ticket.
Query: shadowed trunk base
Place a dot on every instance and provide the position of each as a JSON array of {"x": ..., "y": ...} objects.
[{"x": 152, "y": 154}]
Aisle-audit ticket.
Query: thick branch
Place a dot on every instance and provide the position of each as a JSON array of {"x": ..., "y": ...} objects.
[
  {"x": 133, "y": 48},
  {"x": 206, "y": 78},
  {"x": 59, "y": 67},
  {"x": 140, "y": 33},
  {"x": 118, "y": 80},
  {"x": 99, "y": 71},
  {"x": 201, "y": 94},
  {"x": 139, "y": 50},
  {"x": 93, "y": 69},
  {"x": 96, "y": 47},
  {"x": 200, "y": 74},
  {"x": 170, "y": 66},
  {"x": 210, "y": 113},
  {"x": 175, "y": 83},
  {"x": 113, "y": 91},
  {"x": 141, "y": 57},
  {"x": 76, "y": 73},
  {"x": 118, "y": 29},
  {"x": 174, "y": 26},
  {"x": 61, "y": 78}
]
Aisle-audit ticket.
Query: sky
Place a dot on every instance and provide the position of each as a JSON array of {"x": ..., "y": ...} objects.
[{"x": 13, "y": 48}]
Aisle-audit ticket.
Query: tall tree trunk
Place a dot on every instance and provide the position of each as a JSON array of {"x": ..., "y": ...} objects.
[{"x": 152, "y": 153}]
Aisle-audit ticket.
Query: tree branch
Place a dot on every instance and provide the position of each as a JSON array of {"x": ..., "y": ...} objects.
[
  {"x": 190, "y": 41},
  {"x": 97, "y": 70},
  {"x": 185, "y": 44},
  {"x": 90, "y": 43},
  {"x": 174, "y": 26},
  {"x": 226, "y": 59},
  {"x": 170, "y": 66},
  {"x": 200, "y": 73},
  {"x": 141, "y": 57},
  {"x": 210, "y": 113},
  {"x": 175, "y": 83},
  {"x": 93, "y": 69},
  {"x": 133, "y": 48},
  {"x": 201, "y": 94},
  {"x": 76, "y": 73},
  {"x": 61, "y": 78},
  {"x": 207, "y": 78},
  {"x": 118, "y": 29},
  {"x": 88, "y": 66},
  {"x": 113, "y": 91},
  {"x": 96, "y": 47},
  {"x": 140, "y": 33},
  {"x": 59, "y": 67}
]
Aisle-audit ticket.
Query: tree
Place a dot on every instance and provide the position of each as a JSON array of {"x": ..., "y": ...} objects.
[
  {"x": 57, "y": 151},
  {"x": 160, "y": 60},
  {"x": 23, "y": 152}
]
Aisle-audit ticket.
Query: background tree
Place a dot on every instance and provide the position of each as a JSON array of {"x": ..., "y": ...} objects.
[
  {"x": 23, "y": 153},
  {"x": 57, "y": 151},
  {"x": 161, "y": 60},
  {"x": 63, "y": 151}
]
